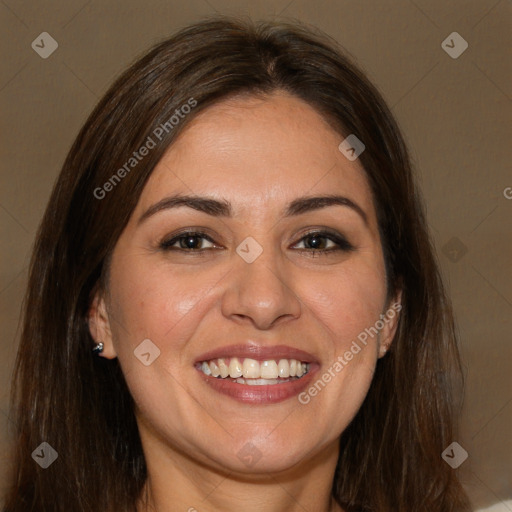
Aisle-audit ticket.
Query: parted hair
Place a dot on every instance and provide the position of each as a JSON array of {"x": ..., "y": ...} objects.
[{"x": 390, "y": 454}]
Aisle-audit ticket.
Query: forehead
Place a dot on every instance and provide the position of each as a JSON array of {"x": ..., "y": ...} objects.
[{"x": 258, "y": 153}]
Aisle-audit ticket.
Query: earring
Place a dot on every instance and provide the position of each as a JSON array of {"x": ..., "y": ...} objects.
[{"x": 98, "y": 348}]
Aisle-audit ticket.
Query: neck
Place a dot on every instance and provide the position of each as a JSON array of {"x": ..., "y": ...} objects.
[{"x": 177, "y": 482}]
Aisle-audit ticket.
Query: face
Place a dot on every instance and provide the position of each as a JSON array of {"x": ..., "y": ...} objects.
[{"x": 253, "y": 297}]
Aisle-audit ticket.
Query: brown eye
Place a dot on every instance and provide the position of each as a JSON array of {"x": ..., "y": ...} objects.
[
  {"x": 190, "y": 241},
  {"x": 324, "y": 242}
]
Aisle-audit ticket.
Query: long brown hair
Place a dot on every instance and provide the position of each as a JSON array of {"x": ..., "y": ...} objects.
[{"x": 390, "y": 455}]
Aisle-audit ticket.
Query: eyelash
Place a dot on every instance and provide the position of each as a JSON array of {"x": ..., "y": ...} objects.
[{"x": 342, "y": 243}]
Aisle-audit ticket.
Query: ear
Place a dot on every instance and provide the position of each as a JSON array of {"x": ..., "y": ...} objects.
[
  {"x": 389, "y": 318},
  {"x": 99, "y": 325}
]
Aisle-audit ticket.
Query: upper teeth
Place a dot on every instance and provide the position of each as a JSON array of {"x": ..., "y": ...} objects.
[{"x": 252, "y": 369}]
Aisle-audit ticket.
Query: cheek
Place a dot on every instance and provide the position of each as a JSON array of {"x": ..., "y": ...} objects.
[
  {"x": 155, "y": 302},
  {"x": 164, "y": 306},
  {"x": 346, "y": 305},
  {"x": 347, "y": 302}
]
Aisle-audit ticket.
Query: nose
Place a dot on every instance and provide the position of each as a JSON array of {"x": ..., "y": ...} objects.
[{"x": 260, "y": 293}]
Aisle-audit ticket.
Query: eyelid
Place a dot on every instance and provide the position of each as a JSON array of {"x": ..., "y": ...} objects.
[
  {"x": 340, "y": 240},
  {"x": 168, "y": 241}
]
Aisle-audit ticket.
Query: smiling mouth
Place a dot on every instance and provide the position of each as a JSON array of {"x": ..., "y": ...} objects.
[{"x": 253, "y": 372}]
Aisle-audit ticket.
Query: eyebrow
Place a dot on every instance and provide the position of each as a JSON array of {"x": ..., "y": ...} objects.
[{"x": 223, "y": 208}]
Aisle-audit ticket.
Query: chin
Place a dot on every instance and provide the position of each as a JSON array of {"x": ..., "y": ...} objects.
[{"x": 260, "y": 455}]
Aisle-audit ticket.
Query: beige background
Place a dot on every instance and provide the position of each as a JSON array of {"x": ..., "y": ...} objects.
[{"x": 455, "y": 114}]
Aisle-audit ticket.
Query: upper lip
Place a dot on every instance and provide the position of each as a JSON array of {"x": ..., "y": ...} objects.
[{"x": 255, "y": 351}]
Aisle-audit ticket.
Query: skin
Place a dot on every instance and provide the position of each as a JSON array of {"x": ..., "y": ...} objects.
[{"x": 258, "y": 154}]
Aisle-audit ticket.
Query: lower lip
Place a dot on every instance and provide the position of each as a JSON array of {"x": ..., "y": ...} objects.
[{"x": 271, "y": 394}]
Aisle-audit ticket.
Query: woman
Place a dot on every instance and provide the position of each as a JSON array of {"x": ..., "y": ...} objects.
[{"x": 233, "y": 301}]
